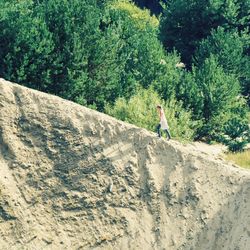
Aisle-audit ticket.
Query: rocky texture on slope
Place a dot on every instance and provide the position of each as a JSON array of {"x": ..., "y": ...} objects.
[{"x": 73, "y": 178}]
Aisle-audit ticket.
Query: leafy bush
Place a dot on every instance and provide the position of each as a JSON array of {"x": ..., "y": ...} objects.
[
  {"x": 140, "y": 110},
  {"x": 236, "y": 135},
  {"x": 142, "y": 17}
]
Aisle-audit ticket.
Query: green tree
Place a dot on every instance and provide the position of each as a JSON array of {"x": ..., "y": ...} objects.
[
  {"x": 59, "y": 47},
  {"x": 219, "y": 93},
  {"x": 189, "y": 92},
  {"x": 99, "y": 81},
  {"x": 26, "y": 45},
  {"x": 76, "y": 34},
  {"x": 186, "y": 22},
  {"x": 230, "y": 50},
  {"x": 42, "y": 40},
  {"x": 143, "y": 51}
]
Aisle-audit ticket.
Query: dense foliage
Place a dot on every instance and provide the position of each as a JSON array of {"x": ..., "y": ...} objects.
[
  {"x": 211, "y": 27},
  {"x": 185, "y": 23},
  {"x": 115, "y": 57}
]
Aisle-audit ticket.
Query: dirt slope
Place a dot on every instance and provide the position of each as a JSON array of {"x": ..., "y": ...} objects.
[{"x": 73, "y": 178}]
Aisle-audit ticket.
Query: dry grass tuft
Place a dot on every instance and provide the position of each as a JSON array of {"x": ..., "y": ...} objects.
[{"x": 242, "y": 159}]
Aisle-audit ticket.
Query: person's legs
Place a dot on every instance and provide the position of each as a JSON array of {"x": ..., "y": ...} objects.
[
  {"x": 168, "y": 134},
  {"x": 158, "y": 129}
]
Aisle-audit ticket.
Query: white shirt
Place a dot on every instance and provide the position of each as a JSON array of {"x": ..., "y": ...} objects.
[{"x": 163, "y": 121}]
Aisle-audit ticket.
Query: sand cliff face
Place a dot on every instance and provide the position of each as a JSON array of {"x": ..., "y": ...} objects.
[{"x": 73, "y": 178}]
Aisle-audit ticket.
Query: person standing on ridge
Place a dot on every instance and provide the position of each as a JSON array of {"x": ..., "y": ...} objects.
[{"x": 163, "y": 123}]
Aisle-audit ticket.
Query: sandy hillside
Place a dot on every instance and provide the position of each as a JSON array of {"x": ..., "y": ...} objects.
[{"x": 72, "y": 178}]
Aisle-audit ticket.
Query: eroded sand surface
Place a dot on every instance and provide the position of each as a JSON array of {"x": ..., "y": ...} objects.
[{"x": 73, "y": 178}]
